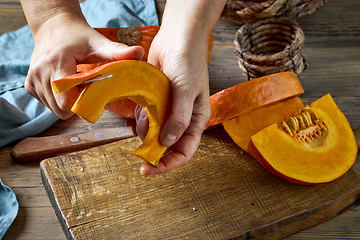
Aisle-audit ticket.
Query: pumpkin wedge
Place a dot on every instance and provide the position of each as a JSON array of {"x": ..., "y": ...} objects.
[
  {"x": 250, "y": 95},
  {"x": 136, "y": 80},
  {"x": 315, "y": 145},
  {"x": 242, "y": 127}
]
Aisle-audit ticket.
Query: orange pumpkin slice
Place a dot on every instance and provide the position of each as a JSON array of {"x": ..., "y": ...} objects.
[
  {"x": 316, "y": 145},
  {"x": 250, "y": 95},
  {"x": 132, "y": 36},
  {"x": 136, "y": 80},
  {"x": 242, "y": 127}
]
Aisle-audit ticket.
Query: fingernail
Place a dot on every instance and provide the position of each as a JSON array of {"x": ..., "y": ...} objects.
[
  {"x": 142, "y": 170},
  {"x": 143, "y": 114},
  {"x": 168, "y": 139}
]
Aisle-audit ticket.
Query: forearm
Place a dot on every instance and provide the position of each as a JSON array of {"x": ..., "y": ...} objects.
[
  {"x": 38, "y": 12},
  {"x": 192, "y": 18}
]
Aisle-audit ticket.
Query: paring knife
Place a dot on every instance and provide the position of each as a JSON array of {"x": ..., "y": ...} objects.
[{"x": 37, "y": 148}]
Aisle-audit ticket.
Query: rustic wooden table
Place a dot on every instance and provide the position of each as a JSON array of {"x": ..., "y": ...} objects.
[{"x": 332, "y": 50}]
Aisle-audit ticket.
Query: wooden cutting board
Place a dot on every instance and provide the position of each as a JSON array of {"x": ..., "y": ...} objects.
[{"x": 222, "y": 193}]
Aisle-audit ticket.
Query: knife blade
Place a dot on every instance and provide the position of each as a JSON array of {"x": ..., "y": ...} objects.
[
  {"x": 37, "y": 148},
  {"x": 97, "y": 79}
]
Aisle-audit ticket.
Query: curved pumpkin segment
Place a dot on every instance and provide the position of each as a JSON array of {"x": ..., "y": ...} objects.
[
  {"x": 122, "y": 107},
  {"x": 126, "y": 107},
  {"x": 315, "y": 145},
  {"x": 242, "y": 127},
  {"x": 250, "y": 95},
  {"x": 63, "y": 84},
  {"x": 131, "y": 36},
  {"x": 136, "y": 80}
]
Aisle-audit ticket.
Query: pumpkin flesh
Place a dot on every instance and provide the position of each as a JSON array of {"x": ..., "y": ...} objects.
[
  {"x": 132, "y": 36},
  {"x": 310, "y": 157},
  {"x": 242, "y": 127},
  {"x": 130, "y": 79},
  {"x": 250, "y": 95}
]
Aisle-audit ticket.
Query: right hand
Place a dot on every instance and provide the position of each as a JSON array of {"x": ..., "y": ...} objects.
[{"x": 61, "y": 43}]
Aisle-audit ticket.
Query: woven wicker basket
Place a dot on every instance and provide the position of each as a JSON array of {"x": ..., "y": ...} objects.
[
  {"x": 269, "y": 46},
  {"x": 250, "y": 11}
]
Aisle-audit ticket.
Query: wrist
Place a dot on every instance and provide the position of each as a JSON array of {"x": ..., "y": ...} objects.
[
  {"x": 192, "y": 18},
  {"x": 39, "y": 12},
  {"x": 61, "y": 23}
]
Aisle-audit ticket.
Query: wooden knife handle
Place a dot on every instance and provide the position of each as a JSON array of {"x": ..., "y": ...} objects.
[{"x": 37, "y": 148}]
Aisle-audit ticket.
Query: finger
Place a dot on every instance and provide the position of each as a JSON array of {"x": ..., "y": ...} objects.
[
  {"x": 105, "y": 49},
  {"x": 142, "y": 122},
  {"x": 61, "y": 103},
  {"x": 31, "y": 89},
  {"x": 179, "y": 119},
  {"x": 38, "y": 84},
  {"x": 35, "y": 85},
  {"x": 181, "y": 153}
]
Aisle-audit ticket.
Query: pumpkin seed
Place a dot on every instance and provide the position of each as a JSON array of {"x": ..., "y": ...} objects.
[
  {"x": 293, "y": 123},
  {"x": 287, "y": 129},
  {"x": 313, "y": 117},
  {"x": 306, "y": 120},
  {"x": 309, "y": 117},
  {"x": 301, "y": 121}
]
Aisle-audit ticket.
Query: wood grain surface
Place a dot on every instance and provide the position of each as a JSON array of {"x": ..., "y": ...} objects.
[
  {"x": 333, "y": 53},
  {"x": 222, "y": 193}
]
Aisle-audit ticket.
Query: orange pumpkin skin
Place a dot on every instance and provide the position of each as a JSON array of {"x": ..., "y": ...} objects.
[
  {"x": 315, "y": 154},
  {"x": 133, "y": 36},
  {"x": 250, "y": 95},
  {"x": 242, "y": 127},
  {"x": 152, "y": 91},
  {"x": 144, "y": 36}
]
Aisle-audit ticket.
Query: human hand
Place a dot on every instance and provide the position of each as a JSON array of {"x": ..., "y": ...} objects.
[
  {"x": 185, "y": 64},
  {"x": 61, "y": 43}
]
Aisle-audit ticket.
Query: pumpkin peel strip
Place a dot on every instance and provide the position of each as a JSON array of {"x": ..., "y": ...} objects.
[{"x": 250, "y": 95}]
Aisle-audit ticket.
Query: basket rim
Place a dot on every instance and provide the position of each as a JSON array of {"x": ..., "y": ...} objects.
[
  {"x": 250, "y": 11},
  {"x": 297, "y": 42}
]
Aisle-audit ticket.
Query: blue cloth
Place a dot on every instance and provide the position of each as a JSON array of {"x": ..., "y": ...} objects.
[
  {"x": 8, "y": 208},
  {"x": 22, "y": 115}
]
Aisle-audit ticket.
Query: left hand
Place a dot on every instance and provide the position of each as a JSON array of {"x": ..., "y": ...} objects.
[{"x": 185, "y": 64}]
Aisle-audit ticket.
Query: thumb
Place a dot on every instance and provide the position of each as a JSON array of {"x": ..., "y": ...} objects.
[{"x": 113, "y": 51}]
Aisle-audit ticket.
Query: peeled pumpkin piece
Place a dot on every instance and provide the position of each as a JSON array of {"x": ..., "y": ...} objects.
[
  {"x": 318, "y": 147},
  {"x": 126, "y": 107},
  {"x": 242, "y": 127},
  {"x": 132, "y": 36},
  {"x": 250, "y": 95},
  {"x": 138, "y": 81}
]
